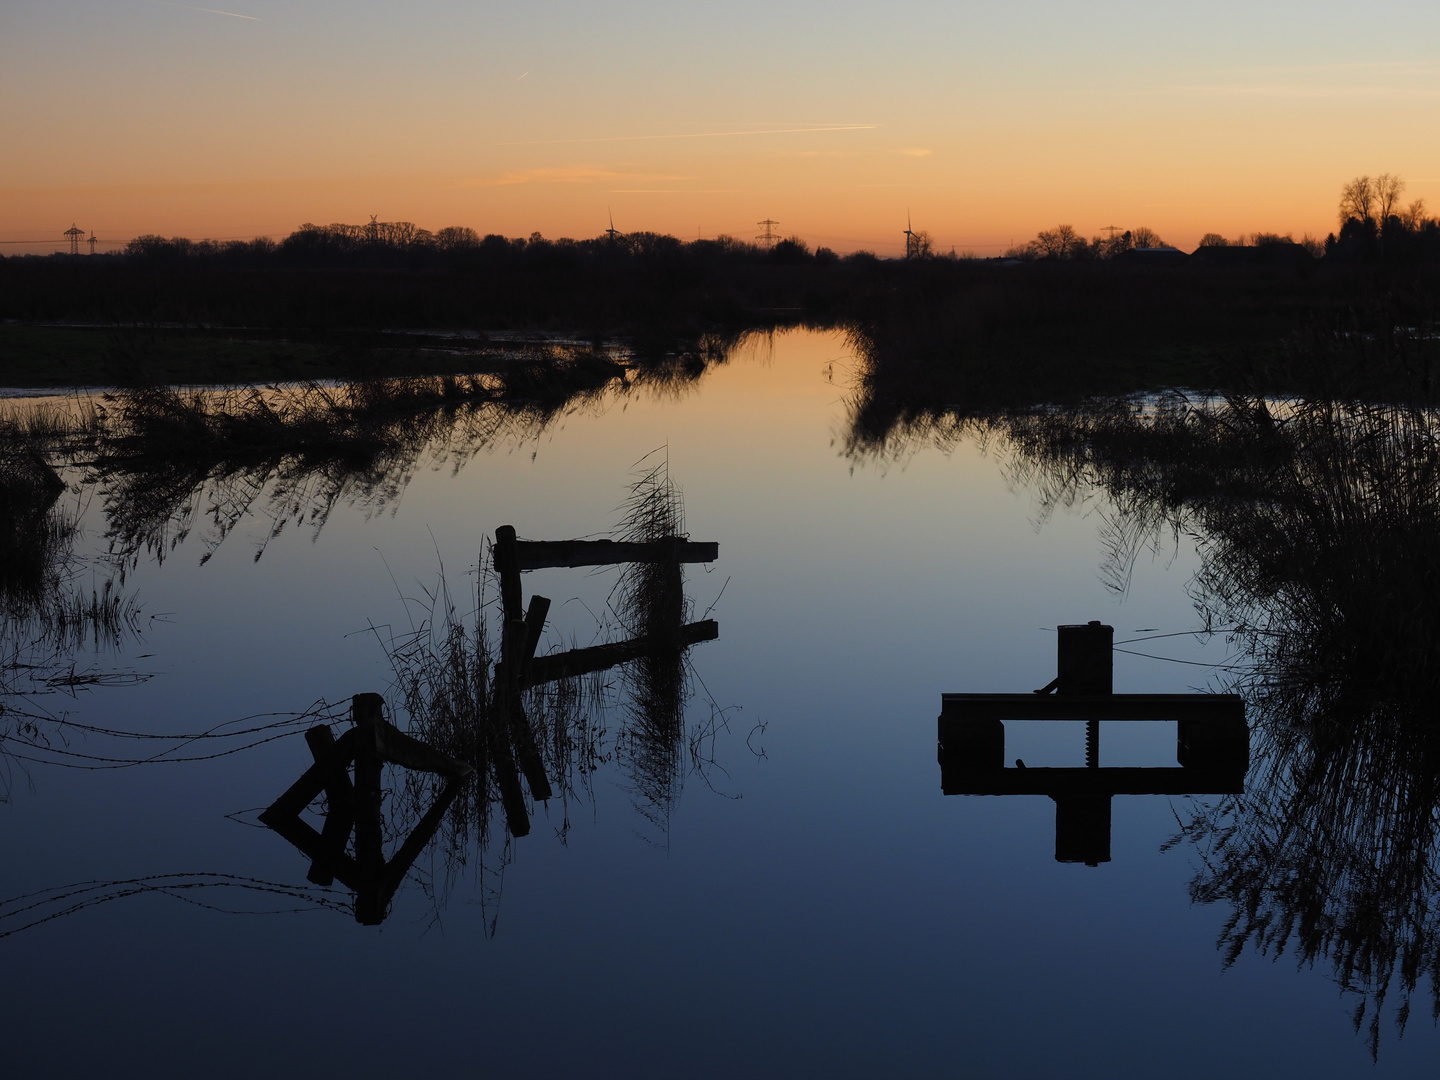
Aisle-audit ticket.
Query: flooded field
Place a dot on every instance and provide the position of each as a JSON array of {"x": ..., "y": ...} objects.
[{"x": 690, "y": 818}]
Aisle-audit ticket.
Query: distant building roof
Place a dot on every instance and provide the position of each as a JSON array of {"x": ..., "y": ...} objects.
[
  {"x": 1154, "y": 255},
  {"x": 1288, "y": 252}
]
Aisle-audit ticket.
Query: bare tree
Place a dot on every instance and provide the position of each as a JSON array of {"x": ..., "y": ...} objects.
[
  {"x": 1414, "y": 215},
  {"x": 1058, "y": 242},
  {"x": 1387, "y": 195},
  {"x": 1147, "y": 238},
  {"x": 456, "y": 236},
  {"x": 1357, "y": 200}
]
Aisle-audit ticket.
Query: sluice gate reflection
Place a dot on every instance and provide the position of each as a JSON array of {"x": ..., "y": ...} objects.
[{"x": 1212, "y": 744}]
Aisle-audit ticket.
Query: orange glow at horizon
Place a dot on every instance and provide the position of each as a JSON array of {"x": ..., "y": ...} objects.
[{"x": 985, "y": 126}]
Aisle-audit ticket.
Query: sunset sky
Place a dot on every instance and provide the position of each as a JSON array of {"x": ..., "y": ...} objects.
[{"x": 987, "y": 121}]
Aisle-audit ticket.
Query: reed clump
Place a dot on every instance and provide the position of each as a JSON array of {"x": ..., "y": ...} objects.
[{"x": 649, "y": 601}]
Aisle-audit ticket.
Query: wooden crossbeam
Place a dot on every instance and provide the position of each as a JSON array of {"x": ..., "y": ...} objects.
[
  {"x": 1083, "y": 781},
  {"x": 401, "y": 749},
  {"x": 538, "y": 554},
  {"x": 545, "y": 669},
  {"x": 977, "y": 707},
  {"x": 312, "y": 781}
]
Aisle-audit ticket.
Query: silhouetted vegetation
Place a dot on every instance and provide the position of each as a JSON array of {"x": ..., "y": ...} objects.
[
  {"x": 936, "y": 361},
  {"x": 1318, "y": 524},
  {"x": 1375, "y": 228},
  {"x": 347, "y": 301},
  {"x": 164, "y": 460}
]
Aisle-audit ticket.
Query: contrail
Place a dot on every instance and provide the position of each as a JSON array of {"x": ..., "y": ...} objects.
[
  {"x": 215, "y": 11},
  {"x": 699, "y": 135}
]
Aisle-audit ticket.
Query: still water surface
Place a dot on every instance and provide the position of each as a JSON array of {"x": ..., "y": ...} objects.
[{"x": 811, "y": 904}]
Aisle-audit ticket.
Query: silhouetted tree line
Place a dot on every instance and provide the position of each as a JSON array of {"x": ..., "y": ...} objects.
[
  {"x": 392, "y": 274},
  {"x": 651, "y": 290},
  {"x": 1063, "y": 242},
  {"x": 1375, "y": 227}
]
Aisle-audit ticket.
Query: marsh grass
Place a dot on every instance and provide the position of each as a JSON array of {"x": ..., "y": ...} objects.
[
  {"x": 54, "y": 602},
  {"x": 649, "y": 601}
]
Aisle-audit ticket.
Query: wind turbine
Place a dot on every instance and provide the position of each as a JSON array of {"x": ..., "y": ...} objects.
[
  {"x": 909, "y": 235},
  {"x": 611, "y": 232}
]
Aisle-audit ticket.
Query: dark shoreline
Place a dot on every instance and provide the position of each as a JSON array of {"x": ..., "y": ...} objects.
[{"x": 1049, "y": 329}]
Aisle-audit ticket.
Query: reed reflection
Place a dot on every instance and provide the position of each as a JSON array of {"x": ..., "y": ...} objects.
[
  {"x": 55, "y": 602},
  {"x": 167, "y": 461}
]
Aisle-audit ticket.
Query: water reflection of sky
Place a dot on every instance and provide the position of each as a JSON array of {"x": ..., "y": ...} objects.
[{"x": 838, "y": 918}]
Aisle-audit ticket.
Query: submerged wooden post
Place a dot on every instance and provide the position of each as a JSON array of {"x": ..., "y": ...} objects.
[
  {"x": 971, "y": 742},
  {"x": 507, "y": 779},
  {"x": 521, "y": 733},
  {"x": 1082, "y": 828},
  {"x": 507, "y": 563},
  {"x": 369, "y": 823},
  {"x": 1084, "y": 658},
  {"x": 1084, "y": 664}
]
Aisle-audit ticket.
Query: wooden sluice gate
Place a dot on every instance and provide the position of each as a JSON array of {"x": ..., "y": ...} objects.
[
  {"x": 354, "y": 806},
  {"x": 1212, "y": 743}
]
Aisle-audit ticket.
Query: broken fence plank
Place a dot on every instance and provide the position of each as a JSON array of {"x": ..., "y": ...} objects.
[
  {"x": 400, "y": 863},
  {"x": 534, "y": 627},
  {"x": 545, "y": 669},
  {"x": 527, "y": 752},
  {"x": 313, "y": 846},
  {"x": 312, "y": 781},
  {"x": 399, "y": 748}
]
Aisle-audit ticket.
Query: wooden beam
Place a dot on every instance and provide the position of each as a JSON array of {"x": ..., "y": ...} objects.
[
  {"x": 545, "y": 669},
  {"x": 974, "y": 707},
  {"x": 534, "y": 627},
  {"x": 365, "y": 710},
  {"x": 507, "y": 777},
  {"x": 312, "y": 781},
  {"x": 399, "y": 748},
  {"x": 538, "y": 554},
  {"x": 958, "y": 780},
  {"x": 314, "y": 847},
  {"x": 399, "y": 865}
]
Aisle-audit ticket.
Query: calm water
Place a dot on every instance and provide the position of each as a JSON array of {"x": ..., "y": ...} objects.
[{"x": 811, "y": 905}]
